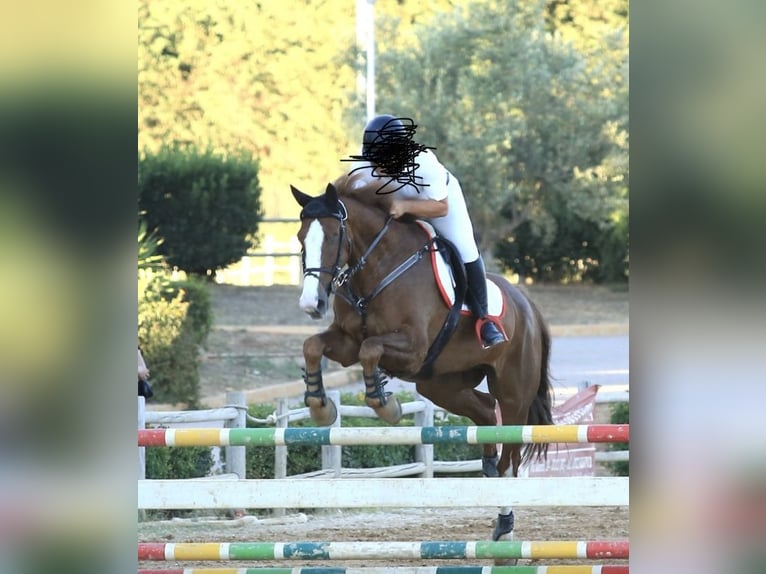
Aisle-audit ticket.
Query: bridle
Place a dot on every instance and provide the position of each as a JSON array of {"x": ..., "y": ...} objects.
[
  {"x": 340, "y": 280},
  {"x": 341, "y": 215}
]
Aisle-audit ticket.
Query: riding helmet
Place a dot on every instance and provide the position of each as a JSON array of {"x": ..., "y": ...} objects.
[{"x": 382, "y": 132}]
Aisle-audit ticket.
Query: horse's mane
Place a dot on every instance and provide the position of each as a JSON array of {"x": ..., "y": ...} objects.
[{"x": 363, "y": 187}]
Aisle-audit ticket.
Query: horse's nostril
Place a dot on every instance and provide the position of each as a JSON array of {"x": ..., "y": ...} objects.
[{"x": 321, "y": 305}]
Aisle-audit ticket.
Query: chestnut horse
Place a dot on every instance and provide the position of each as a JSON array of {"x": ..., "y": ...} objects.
[{"x": 388, "y": 310}]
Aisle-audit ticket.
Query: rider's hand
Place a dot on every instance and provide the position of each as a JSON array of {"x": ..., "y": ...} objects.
[{"x": 397, "y": 208}]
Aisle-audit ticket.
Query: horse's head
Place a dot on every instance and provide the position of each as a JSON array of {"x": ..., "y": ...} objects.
[{"x": 323, "y": 247}]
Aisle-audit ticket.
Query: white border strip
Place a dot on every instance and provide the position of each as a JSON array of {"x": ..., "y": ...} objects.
[{"x": 200, "y": 494}]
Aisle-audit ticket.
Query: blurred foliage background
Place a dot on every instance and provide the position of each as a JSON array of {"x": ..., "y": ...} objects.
[{"x": 526, "y": 102}]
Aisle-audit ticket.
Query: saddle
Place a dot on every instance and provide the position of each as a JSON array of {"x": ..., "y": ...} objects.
[
  {"x": 451, "y": 281},
  {"x": 443, "y": 268}
]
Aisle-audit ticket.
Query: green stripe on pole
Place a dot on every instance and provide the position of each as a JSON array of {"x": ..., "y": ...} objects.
[
  {"x": 244, "y": 437},
  {"x": 251, "y": 551},
  {"x": 499, "y": 549},
  {"x": 507, "y": 434}
]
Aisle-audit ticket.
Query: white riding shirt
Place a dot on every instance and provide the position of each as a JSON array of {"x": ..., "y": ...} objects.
[{"x": 433, "y": 181}]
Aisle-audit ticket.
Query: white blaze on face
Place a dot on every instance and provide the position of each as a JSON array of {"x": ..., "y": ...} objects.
[{"x": 312, "y": 248}]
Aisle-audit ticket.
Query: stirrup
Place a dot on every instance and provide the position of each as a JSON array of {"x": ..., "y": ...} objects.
[{"x": 496, "y": 323}]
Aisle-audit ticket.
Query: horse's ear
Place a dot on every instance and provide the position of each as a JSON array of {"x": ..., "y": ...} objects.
[
  {"x": 300, "y": 197},
  {"x": 331, "y": 195}
]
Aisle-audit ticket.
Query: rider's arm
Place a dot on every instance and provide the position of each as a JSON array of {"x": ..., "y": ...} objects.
[
  {"x": 432, "y": 200},
  {"x": 421, "y": 208}
]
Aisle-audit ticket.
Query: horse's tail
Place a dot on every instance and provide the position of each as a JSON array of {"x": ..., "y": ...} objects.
[{"x": 540, "y": 409}]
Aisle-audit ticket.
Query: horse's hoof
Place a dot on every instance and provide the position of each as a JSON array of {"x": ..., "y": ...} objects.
[
  {"x": 323, "y": 415},
  {"x": 391, "y": 412},
  {"x": 489, "y": 466},
  {"x": 504, "y": 531},
  {"x": 503, "y": 527}
]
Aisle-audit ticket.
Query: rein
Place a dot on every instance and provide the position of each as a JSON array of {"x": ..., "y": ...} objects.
[
  {"x": 361, "y": 303},
  {"x": 340, "y": 280}
]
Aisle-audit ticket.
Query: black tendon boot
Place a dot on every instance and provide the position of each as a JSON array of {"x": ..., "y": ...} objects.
[{"x": 488, "y": 331}]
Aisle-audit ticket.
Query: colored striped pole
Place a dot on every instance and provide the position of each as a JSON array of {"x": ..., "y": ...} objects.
[
  {"x": 503, "y": 549},
  {"x": 563, "y": 569},
  {"x": 518, "y": 434}
]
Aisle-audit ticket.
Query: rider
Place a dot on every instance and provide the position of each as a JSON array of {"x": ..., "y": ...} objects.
[{"x": 427, "y": 190}]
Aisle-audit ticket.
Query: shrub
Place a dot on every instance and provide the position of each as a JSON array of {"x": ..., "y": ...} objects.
[
  {"x": 177, "y": 463},
  {"x": 205, "y": 206},
  {"x": 199, "y": 314},
  {"x": 620, "y": 415},
  {"x": 173, "y": 319}
]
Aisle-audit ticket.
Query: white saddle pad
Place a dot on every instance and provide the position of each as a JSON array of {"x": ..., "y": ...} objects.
[{"x": 446, "y": 282}]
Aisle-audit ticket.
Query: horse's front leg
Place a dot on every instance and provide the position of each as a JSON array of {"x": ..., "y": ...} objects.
[
  {"x": 337, "y": 346},
  {"x": 397, "y": 346}
]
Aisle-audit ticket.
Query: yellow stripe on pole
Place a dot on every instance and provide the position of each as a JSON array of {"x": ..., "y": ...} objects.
[
  {"x": 198, "y": 551},
  {"x": 200, "y": 437},
  {"x": 568, "y": 433},
  {"x": 553, "y": 549}
]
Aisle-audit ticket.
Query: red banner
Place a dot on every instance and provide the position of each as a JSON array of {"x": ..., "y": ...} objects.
[{"x": 569, "y": 459}]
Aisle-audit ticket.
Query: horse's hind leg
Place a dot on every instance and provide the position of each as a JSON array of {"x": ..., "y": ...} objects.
[
  {"x": 514, "y": 411},
  {"x": 456, "y": 394}
]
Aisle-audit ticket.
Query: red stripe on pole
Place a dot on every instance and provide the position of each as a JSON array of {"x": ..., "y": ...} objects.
[
  {"x": 152, "y": 551},
  {"x": 608, "y": 549},
  {"x": 151, "y": 437},
  {"x": 615, "y": 570},
  {"x": 171, "y": 571},
  {"x": 609, "y": 433}
]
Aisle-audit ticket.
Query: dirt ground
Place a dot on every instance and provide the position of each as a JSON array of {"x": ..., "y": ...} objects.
[
  {"x": 258, "y": 332},
  {"x": 256, "y": 341}
]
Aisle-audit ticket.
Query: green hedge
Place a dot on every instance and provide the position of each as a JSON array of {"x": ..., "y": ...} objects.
[
  {"x": 206, "y": 206},
  {"x": 302, "y": 459},
  {"x": 199, "y": 315},
  {"x": 176, "y": 463},
  {"x": 172, "y": 327},
  {"x": 174, "y": 320},
  {"x": 620, "y": 415}
]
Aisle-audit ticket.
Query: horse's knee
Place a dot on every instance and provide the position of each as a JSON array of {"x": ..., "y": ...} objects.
[
  {"x": 313, "y": 348},
  {"x": 370, "y": 352}
]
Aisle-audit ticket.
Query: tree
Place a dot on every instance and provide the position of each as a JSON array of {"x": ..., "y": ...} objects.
[
  {"x": 533, "y": 128},
  {"x": 249, "y": 76}
]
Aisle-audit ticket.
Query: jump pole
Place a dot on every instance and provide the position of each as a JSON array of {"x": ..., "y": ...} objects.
[
  {"x": 512, "y": 434},
  {"x": 385, "y": 550},
  {"x": 563, "y": 569}
]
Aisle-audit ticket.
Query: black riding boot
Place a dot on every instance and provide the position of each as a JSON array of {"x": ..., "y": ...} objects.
[{"x": 490, "y": 334}]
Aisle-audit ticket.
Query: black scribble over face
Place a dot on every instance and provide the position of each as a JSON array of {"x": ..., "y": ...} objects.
[{"x": 391, "y": 150}]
